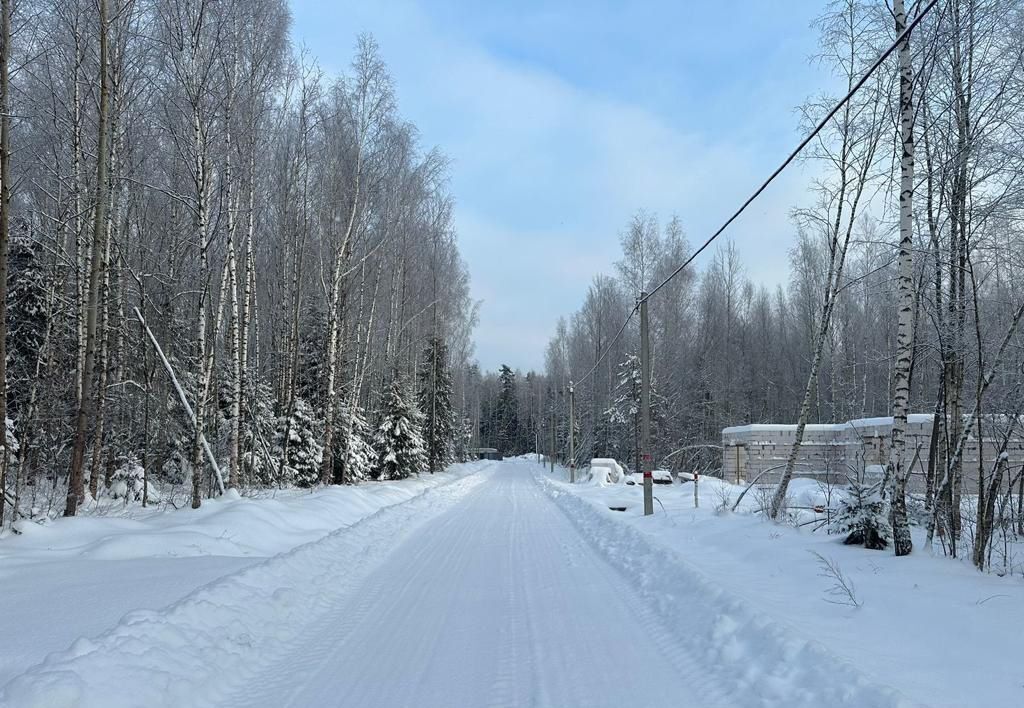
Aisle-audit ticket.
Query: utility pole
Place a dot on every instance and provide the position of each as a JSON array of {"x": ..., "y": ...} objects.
[
  {"x": 645, "y": 408},
  {"x": 538, "y": 427},
  {"x": 572, "y": 433},
  {"x": 552, "y": 460}
]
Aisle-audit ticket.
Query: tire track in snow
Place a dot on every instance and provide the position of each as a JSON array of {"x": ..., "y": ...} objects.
[
  {"x": 285, "y": 674},
  {"x": 496, "y": 602},
  {"x": 699, "y": 682},
  {"x": 326, "y": 660}
]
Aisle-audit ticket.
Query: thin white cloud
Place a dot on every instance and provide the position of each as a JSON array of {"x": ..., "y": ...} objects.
[{"x": 546, "y": 174}]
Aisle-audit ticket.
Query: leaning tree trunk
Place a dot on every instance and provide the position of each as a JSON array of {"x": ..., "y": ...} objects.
[
  {"x": 835, "y": 270},
  {"x": 953, "y": 374},
  {"x": 896, "y": 471}
]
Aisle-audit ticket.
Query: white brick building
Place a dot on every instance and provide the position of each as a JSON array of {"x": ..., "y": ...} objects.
[{"x": 830, "y": 451}]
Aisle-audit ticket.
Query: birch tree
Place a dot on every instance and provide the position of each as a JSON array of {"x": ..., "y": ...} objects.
[
  {"x": 5, "y": 205},
  {"x": 100, "y": 206},
  {"x": 897, "y": 467}
]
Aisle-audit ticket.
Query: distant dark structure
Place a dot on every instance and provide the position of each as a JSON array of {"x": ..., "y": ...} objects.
[{"x": 485, "y": 453}]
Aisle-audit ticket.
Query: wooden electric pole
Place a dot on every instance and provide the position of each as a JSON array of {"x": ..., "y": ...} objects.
[
  {"x": 572, "y": 434},
  {"x": 552, "y": 460},
  {"x": 645, "y": 408}
]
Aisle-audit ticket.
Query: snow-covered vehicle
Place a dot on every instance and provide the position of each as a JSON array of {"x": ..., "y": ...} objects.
[
  {"x": 657, "y": 476},
  {"x": 605, "y": 471}
]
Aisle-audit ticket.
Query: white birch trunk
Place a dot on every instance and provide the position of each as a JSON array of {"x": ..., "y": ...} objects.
[
  {"x": 896, "y": 470},
  {"x": 334, "y": 335},
  {"x": 75, "y": 477}
]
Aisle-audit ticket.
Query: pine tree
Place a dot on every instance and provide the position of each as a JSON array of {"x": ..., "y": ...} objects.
[
  {"x": 312, "y": 358},
  {"x": 507, "y": 412},
  {"x": 864, "y": 516},
  {"x": 258, "y": 461},
  {"x": 463, "y": 440},
  {"x": 305, "y": 452},
  {"x": 623, "y": 416},
  {"x": 26, "y": 317},
  {"x": 354, "y": 454},
  {"x": 398, "y": 442},
  {"x": 435, "y": 400},
  {"x": 128, "y": 480},
  {"x": 11, "y": 441}
]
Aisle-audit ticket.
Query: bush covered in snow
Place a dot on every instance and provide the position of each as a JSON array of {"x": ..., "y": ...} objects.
[
  {"x": 177, "y": 469},
  {"x": 128, "y": 481}
]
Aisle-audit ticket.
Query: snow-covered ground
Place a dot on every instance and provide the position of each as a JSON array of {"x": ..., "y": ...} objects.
[
  {"x": 75, "y": 578},
  {"x": 935, "y": 630},
  {"x": 499, "y": 588}
]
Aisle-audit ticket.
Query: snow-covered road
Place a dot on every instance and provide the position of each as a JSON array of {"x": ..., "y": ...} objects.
[
  {"x": 498, "y": 601},
  {"x": 494, "y": 587}
]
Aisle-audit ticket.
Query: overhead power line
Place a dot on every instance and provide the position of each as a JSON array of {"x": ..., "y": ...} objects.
[
  {"x": 771, "y": 178},
  {"x": 609, "y": 346},
  {"x": 799, "y": 148}
]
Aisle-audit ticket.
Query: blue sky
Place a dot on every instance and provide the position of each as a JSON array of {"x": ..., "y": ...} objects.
[{"x": 564, "y": 118}]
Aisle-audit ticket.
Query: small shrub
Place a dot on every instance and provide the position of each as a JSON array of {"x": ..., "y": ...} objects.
[
  {"x": 128, "y": 481},
  {"x": 863, "y": 516}
]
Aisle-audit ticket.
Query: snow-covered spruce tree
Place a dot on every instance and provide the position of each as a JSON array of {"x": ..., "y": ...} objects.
[
  {"x": 11, "y": 442},
  {"x": 312, "y": 356},
  {"x": 623, "y": 416},
  {"x": 863, "y": 516},
  {"x": 398, "y": 441},
  {"x": 305, "y": 452},
  {"x": 258, "y": 464},
  {"x": 353, "y": 455},
  {"x": 507, "y": 412},
  {"x": 435, "y": 401},
  {"x": 27, "y": 318},
  {"x": 463, "y": 440},
  {"x": 128, "y": 481}
]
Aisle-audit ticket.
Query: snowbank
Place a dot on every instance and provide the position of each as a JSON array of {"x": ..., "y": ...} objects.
[
  {"x": 753, "y": 596},
  {"x": 228, "y": 526},
  {"x": 78, "y": 577},
  {"x": 771, "y": 665},
  {"x": 205, "y": 643}
]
